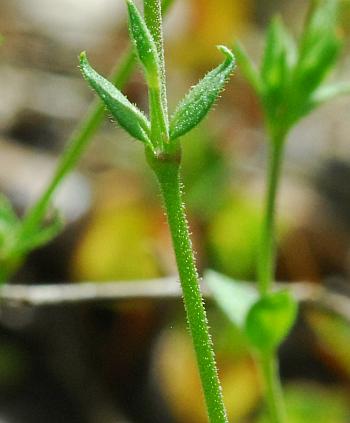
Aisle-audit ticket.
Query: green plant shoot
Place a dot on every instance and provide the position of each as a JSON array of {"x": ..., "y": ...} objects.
[
  {"x": 20, "y": 236},
  {"x": 289, "y": 84},
  {"x": 163, "y": 151}
]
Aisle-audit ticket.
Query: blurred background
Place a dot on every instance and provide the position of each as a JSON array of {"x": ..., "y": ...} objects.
[{"x": 132, "y": 361}]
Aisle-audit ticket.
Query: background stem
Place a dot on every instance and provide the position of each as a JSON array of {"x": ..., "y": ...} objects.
[
  {"x": 169, "y": 178},
  {"x": 266, "y": 267},
  {"x": 273, "y": 388},
  {"x": 266, "y": 254}
]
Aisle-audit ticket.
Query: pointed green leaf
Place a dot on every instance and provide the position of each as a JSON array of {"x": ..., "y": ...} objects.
[
  {"x": 274, "y": 67},
  {"x": 270, "y": 319},
  {"x": 248, "y": 68},
  {"x": 40, "y": 236},
  {"x": 148, "y": 54},
  {"x": 320, "y": 24},
  {"x": 7, "y": 214},
  {"x": 199, "y": 100},
  {"x": 329, "y": 92},
  {"x": 233, "y": 298},
  {"x": 9, "y": 223},
  {"x": 145, "y": 45},
  {"x": 319, "y": 46},
  {"x": 126, "y": 114},
  {"x": 278, "y": 60}
]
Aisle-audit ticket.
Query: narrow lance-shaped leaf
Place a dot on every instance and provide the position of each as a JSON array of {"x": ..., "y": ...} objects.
[
  {"x": 145, "y": 45},
  {"x": 199, "y": 100},
  {"x": 126, "y": 114},
  {"x": 39, "y": 236},
  {"x": 329, "y": 92},
  {"x": 7, "y": 213},
  {"x": 234, "y": 298},
  {"x": 278, "y": 61},
  {"x": 319, "y": 46},
  {"x": 248, "y": 68},
  {"x": 274, "y": 65},
  {"x": 9, "y": 222},
  {"x": 319, "y": 25},
  {"x": 148, "y": 54}
]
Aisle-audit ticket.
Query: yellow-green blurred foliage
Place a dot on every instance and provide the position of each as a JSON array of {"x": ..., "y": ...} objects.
[
  {"x": 212, "y": 23},
  {"x": 118, "y": 244},
  {"x": 233, "y": 237},
  {"x": 179, "y": 381},
  {"x": 311, "y": 403},
  {"x": 333, "y": 339},
  {"x": 234, "y": 234}
]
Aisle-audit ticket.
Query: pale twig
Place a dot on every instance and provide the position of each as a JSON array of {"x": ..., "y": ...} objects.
[{"x": 154, "y": 289}]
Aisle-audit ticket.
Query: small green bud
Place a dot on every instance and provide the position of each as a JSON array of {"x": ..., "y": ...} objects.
[
  {"x": 270, "y": 319},
  {"x": 126, "y": 114},
  {"x": 199, "y": 100},
  {"x": 144, "y": 44}
]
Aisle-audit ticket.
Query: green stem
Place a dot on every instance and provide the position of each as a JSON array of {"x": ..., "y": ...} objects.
[
  {"x": 153, "y": 19},
  {"x": 273, "y": 389},
  {"x": 157, "y": 94},
  {"x": 167, "y": 170},
  {"x": 266, "y": 269},
  {"x": 266, "y": 255}
]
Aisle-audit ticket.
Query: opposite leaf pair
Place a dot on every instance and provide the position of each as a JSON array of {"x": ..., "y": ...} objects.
[{"x": 190, "y": 111}]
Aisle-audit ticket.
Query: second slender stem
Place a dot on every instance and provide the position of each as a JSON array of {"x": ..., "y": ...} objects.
[
  {"x": 273, "y": 388},
  {"x": 266, "y": 255},
  {"x": 268, "y": 362}
]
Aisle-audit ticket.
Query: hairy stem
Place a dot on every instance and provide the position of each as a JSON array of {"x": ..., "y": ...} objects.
[{"x": 167, "y": 170}]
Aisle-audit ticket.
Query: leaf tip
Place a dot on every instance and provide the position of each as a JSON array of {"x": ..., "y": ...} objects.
[
  {"x": 130, "y": 5},
  {"x": 83, "y": 58},
  {"x": 226, "y": 52}
]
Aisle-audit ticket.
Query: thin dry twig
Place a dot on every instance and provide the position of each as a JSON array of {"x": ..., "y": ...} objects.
[
  {"x": 154, "y": 289},
  {"x": 72, "y": 293}
]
